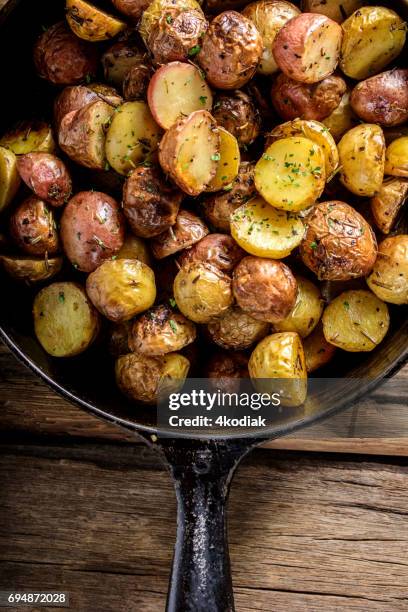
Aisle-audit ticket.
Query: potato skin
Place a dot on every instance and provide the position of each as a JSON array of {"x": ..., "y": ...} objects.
[
  {"x": 307, "y": 310},
  {"x": 317, "y": 101},
  {"x": 176, "y": 34},
  {"x": 225, "y": 370},
  {"x": 150, "y": 203},
  {"x": 160, "y": 330},
  {"x": 131, "y": 8},
  {"x": 237, "y": 113},
  {"x": 231, "y": 50},
  {"x": 137, "y": 80},
  {"x": 91, "y": 23},
  {"x": 118, "y": 60},
  {"x": 9, "y": 177},
  {"x": 341, "y": 119},
  {"x": 264, "y": 288},
  {"x": 337, "y": 10},
  {"x": 387, "y": 203},
  {"x": 219, "y": 250},
  {"x": 382, "y": 98},
  {"x": 389, "y": 277},
  {"x": 134, "y": 248},
  {"x": 318, "y": 352},
  {"x": 187, "y": 230},
  {"x": 236, "y": 329},
  {"x": 28, "y": 136},
  {"x": 118, "y": 336},
  {"x": 47, "y": 176},
  {"x": 339, "y": 244},
  {"x": 62, "y": 58},
  {"x": 75, "y": 97},
  {"x": 92, "y": 229},
  {"x": 33, "y": 229},
  {"x": 30, "y": 269}
]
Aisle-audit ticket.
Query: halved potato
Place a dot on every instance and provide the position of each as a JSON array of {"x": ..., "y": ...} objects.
[
  {"x": 65, "y": 322},
  {"x": 341, "y": 119},
  {"x": 318, "y": 352},
  {"x": 177, "y": 89},
  {"x": 356, "y": 321},
  {"x": 388, "y": 202},
  {"x": 389, "y": 277},
  {"x": 91, "y": 23},
  {"x": 338, "y": 10},
  {"x": 9, "y": 177},
  {"x": 396, "y": 157},
  {"x": 30, "y": 269},
  {"x": 291, "y": 173},
  {"x": 228, "y": 165},
  {"x": 29, "y": 136},
  {"x": 265, "y": 231},
  {"x": 190, "y": 151},
  {"x": 132, "y": 137},
  {"x": 362, "y": 157},
  {"x": 307, "y": 310}
]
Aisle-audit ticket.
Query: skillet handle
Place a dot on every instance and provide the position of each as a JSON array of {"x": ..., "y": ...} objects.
[{"x": 202, "y": 472}]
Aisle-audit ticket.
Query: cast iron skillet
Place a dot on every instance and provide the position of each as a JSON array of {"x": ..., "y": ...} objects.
[{"x": 201, "y": 468}]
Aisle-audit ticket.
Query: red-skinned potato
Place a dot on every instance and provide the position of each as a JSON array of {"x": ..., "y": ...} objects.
[
  {"x": 292, "y": 99},
  {"x": 92, "y": 229},
  {"x": 131, "y": 8},
  {"x": 47, "y": 176},
  {"x": 382, "y": 98},
  {"x": 136, "y": 81},
  {"x": 62, "y": 58},
  {"x": 307, "y": 48},
  {"x": 120, "y": 58},
  {"x": 237, "y": 113},
  {"x": 219, "y": 250},
  {"x": 75, "y": 97},
  {"x": 33, "y": 229},
  {"x": 225, "y": 370},
  {"x": 187, "y": 230}
]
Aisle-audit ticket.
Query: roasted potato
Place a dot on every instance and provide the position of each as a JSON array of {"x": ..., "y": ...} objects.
[
  {"x": 236, "y": 329},
  {"x": 356, "y": 321},
  {"x": 92, "y": 229},
  {"x": 150, "y": 202},
  {"x": 389, "y": 277},
  {"x": 146, "y": 379},
  {"x": 383, "y": 98},
  {"x": 132, "y": 137},
  {"x": 226, "y": 369},
  {"x": 91, "y": 23},
  {"x": 160, "y": 330},
  {"x": 362, "y": 158},
  {"x": 134, "y": 248},
  {"x": 280, "y": 356},
  {"x": 136, "y": 82},
  {"x": 317, "y": 101},
  {"x": 9, "y": 177},
  {"x": 187, "y": 230},
  {"x": 338, "y": 244},
  {"x": 118, "y": 338},
  {"x": 189, "y": 152},
  {"x": 176, "y": 90},
  {"x": 291, "y": 173},
  {"x": 82, "y": 134},
  {"x": 219, "y": 250},
  {"x": 265, "y": 231},
  {"x": 219, "y": 207},
  {"x": 155, "y": 10},
  {"x": 29, "y": 269},
  {"x": 120, "y": 58},
  {"x": 230, "y": 51},
  {"x": 64, "y": 59},
  {"x": 388, "y": 202},
  {"x": 264, "y": 288},
  {"x": 131, "y": 8},
  {"x": 33, "y": 228},
  {"x": 396, "y": 157},
  {"x": 373, "y": 37},
  {"x": 307, "y": 310},
  {"x": 237, "y": 113},
  {"x": 29, "y": 136},
  {"x": 202, "y": 291},
  {"x": 307, "y": 48},
  {"x": 228, "y": 164},
  {"x": 341, "y": 119},
  {"x": 47, "y": 176},
  {"x": 65, "y": 322},
  {"x": 121, "y": 288},
  {"x": 318, "y": 352},
  {"x": 269, "y": 16},
  {"x": 338, "y": 10},
  {"x": 316, "y": 132},
  {"x": 77, "y": 96}
]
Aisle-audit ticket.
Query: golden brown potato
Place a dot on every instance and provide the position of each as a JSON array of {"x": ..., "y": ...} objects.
[
  {"x": 121, "y": 288},
  {"x": 160, "y": 330},
  {"x": 47, "y": 176},
  {"x": 187, "y": 230},
  {"x": 362, "y": 158},
  {"x": 307, "y": 310},
  {"x": 150, "y": 202},
  {"x": 338, "y": 10},
  {"x": 9, "y": 177},
  {"x": 231, "y": 50},
  {"x": 137, "y": 79},
  {"x": 29, "y": 269},
  {"x": 202, "y": 291},
  {"x": 135, "y": 248},
  {"x": 147, "y": 379},
  {"x": 118, "y": 336},
  {"x": 91, "y": 23},
  {"x": 318, "y": 352},
  {"x": 29, "y": 136},
  {"x": 77, "y": 96},
  {"x": 225, "y": 369},
  {"x": 396, "y": 157},
  {"x": 307, "y": 48},
  {"x": 264, "y": 288},
  {"x": 356, "y": 321},
  {"x": 389, "y": 277},
  {"x": 382, "y": 98},
  {"x": 131, "y": 8},
  {"x": 62, "y": 58},
  {"x": 120, "y": 58},
  {"x": 236, "y": 329},
  {"x": 92, "y": 229},
  {"x": 220, "y": 250},
  {"x": 33, "y": 228},
  {"x": 237, "y": 113},
  {"x": 155, "y": 10},
  {"x": 388, "y": 202},
  {"x": 280, "y": 356},
  {"x": 341, "y": 119},
  {"x": 228, "y": 164},
  {"x": 339, "y": 244},
  {"x": 292, "y": 99},
  {"x": 65, "y": 322}
]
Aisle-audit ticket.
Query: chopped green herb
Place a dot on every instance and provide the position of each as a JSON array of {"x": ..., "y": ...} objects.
[
  {"x": 194, "y": 51},
  {"x": 216, "y": 157},
  {"x": 346, "y": 305},
  {"x": 61, "y": 297},
  {"x": 172, "y": 302},
  {"x": 203, "y": 99},
  {"x": 313, "y": 245},
  {"x": 173, "y": 325}
]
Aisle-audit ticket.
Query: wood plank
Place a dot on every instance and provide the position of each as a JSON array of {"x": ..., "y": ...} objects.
[{"x": 99, "y": 521}]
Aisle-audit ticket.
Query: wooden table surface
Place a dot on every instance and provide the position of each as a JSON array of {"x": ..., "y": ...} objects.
[{"x": 85, "y": 510}]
